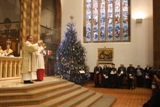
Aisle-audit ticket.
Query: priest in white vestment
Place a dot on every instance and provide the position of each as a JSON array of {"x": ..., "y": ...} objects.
[
  {"x": 35, "y": 67},
  {"x": 29, "y": 61}
]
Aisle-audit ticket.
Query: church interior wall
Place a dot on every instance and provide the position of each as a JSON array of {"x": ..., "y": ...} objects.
[
  {"x": 9, "y": 9},
  {"x": 47, "y": 14},
  {"x": 139, "y": 51}
]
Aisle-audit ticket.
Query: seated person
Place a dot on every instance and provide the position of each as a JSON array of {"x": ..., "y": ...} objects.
[
  {"x": 1, "y": 51},
  {"x": 154, "y": 101},
  {"x": 8, "y": 51}
]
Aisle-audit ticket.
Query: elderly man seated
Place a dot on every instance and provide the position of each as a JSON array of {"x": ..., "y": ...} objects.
[
  {"x": 1, "y": 51},
  {"x": 8, "y": 51}
]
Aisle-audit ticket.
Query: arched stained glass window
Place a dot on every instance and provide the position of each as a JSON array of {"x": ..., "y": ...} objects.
[{"x": 107, "y": 21}]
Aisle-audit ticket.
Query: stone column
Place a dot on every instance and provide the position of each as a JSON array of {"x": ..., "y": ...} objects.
[
  {"x": 57, "y": 25},
  {"x": 156, "y": 33},
  {"x": 30, "y": 14}
]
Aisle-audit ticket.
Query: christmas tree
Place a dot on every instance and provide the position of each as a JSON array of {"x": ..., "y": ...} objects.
[{"x": 71, "y": 57}]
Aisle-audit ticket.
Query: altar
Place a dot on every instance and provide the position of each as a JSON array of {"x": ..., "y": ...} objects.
[{"x": 10, "y": 67}]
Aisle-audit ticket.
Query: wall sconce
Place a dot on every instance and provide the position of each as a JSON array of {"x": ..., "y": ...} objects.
[{"x": 139, "y": 20}]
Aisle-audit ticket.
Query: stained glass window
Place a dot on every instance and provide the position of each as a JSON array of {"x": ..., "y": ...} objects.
[
  {"x": 102, "y": 20},
  {"x": 88, "y": 20},
  {"x": 107, "y": 21},
  {"x": 95, "y": 20}
]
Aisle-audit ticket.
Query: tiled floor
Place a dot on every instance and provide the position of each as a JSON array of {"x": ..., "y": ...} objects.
[{"x": 125, "y": 97}]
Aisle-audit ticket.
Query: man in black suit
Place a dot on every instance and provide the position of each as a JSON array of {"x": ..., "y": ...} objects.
[
  {"x": 121, "y": 74},
  {"x": 105, "y": 76},
  {"x": 139, "y": 76},
  {"x": 131, "y": 76},
  {"x": 97, "y": 75},
  {"x": 148, "y": 80},
  {"x": 113, "y": 76}
]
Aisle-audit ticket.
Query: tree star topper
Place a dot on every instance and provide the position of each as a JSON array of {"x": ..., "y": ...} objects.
[{"x": 71, "y": 17}]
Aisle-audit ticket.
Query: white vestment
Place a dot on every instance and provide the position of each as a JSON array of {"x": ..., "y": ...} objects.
[
  {"x": 8, "y": 52},
  {"x": 29, "y": 61},
  {"x": 1, "y": 52},
  {"x": 41, "y": 57},
  {"x": 35, "y": 67}
]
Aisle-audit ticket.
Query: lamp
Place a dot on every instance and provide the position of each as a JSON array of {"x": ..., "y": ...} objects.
[{"x": 139, "y": 20}]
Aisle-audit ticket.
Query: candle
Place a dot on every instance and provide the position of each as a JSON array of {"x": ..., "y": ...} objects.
[{"x": 18, "y": 48}]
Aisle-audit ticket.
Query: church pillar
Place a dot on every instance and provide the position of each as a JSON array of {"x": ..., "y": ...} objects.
[
  {"x": 156, "y": 33},
  {"x": 57, "y": 25},
  {"x": 30, "y": 14}
]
